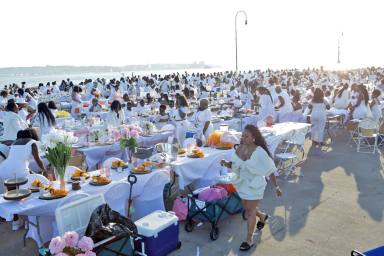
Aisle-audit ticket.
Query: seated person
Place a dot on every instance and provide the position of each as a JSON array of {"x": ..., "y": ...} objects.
[
  {"x": 95, "y": 107},
  {"x": 162, "y": 116}
]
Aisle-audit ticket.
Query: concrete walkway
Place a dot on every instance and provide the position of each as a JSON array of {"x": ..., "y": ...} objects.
[{"x": 337, "y": 206}]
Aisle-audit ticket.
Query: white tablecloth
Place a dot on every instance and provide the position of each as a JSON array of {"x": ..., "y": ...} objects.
[
  {"x": 95, "y": 155},
  {"x": 33, "y": 206},
  {"x": 208, "y": 168}
]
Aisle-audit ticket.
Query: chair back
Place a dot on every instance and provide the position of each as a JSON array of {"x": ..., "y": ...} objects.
[
  {"x": 117, "y": 197},
  {"x": 74, "y": 216},
  {"x": 155, "y": 184},
  {"x": 35, "y": 176}
]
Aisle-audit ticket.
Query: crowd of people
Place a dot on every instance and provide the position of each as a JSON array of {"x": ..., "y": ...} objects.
[{"x": 187, "y": 100}]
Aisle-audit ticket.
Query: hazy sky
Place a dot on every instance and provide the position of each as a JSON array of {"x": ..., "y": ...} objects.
[{"x": 113, "y": 32}]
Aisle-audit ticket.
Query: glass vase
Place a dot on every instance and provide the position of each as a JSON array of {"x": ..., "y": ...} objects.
[{"x": 60, "y": 176}]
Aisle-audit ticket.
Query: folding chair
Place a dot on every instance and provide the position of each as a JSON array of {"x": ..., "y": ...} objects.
[
  {"x": 75, "y": 216},
  {"x": 367, "y": 140},
  {"x": 171, "y": 150}
]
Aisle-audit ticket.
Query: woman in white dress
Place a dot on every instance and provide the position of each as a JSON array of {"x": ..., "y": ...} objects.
[
  {"x": 340, "y": 102},
  {"x": 21, "y": 152},
  {"x": 375, "y": 105},
  {"x": 52, "y": 107},
  {"x": 359, "y": 108},
  {"x": 180, "y": 118},
  {"x": 318, "y": 109},
  {"x": 116, "y": 116},
  {"x": 12, "y": 123},
  {"x": 252, "y": 163},
  {"x": 285, "y": 104},
  {"x": 266, "y": 106},
  {"x": 202, "y": 120},
  {"x": 44, "y": 119},
  {"x": 76, "y": 101}
]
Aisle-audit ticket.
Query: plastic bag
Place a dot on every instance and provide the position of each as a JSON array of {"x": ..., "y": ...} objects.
[
  {"x": 105, "y": 223},
  {"x": 213, "y": 194}
]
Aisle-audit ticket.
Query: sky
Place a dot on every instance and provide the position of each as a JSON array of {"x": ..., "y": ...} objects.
[{"x": 280, "y": 33}]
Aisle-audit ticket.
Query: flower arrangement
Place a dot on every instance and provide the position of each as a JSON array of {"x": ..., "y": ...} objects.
[
  {"x": 70, "y": 245},
  {"x": 62, "y": 114},
  {"x": 95, "y": 135},
  {"x": 129, "y": 135},
  {"x": 96, "y": 93},
  {"x": 59, "y": 144}
]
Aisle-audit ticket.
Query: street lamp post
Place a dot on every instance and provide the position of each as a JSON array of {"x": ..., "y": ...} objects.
[
  {"x": 246, "y": 21},
  {"x": 338, "y": 49}
]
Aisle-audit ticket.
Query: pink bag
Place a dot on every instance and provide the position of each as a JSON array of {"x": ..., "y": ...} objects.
[
  {"x": 180, "y": 208},
  {"x": 213, "y": 194}
]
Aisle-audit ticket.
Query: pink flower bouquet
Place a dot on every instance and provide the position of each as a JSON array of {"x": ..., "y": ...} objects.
[{"x": 70, "y": 245}]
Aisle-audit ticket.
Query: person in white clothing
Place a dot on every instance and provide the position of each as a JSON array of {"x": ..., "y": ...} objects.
[
  {"x": 340, "y": 102},
  {"x": 116, "y": 116},
  {"x": 12, "y": 123},
  {"x": 179, "y": 116},
  {"x": 375, "y": 106},
  {"x": 44, "y": 119},
  {"x": 266, "y": 106},
  {"x": 252, "y": 163},
  {"x": 202, "y": 120},
  {"x": 285, "y": 103},
  {"x": 17, "y": 163}
]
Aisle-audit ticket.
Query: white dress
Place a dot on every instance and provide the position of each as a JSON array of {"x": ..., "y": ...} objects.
[
  {"x": 17, "y": 161},
  {"x": 181, "y": 124},
  {"x": 318, "y": 121},
  {"x": 113, "y": 120},
  {"x": 76, "y": 104},
  {"x": 266, "y": 107},
  {"x": 250, "y": 180},
  {"x": 287, "y": 107},
  {"x": 42, "y": 122}
]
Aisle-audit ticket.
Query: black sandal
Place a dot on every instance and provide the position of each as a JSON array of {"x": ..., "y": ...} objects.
[
  {"x": 245, "y": 246},
  {"x": 260, "y": 225}
]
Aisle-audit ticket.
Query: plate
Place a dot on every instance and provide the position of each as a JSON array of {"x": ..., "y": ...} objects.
[
  {"x": 12, "y": 195},
  {"x": 79, "y": 178},
  {"x": 49, "y": 196},
  {"x": 138, "y": 173},
  {"x": 124, "y": 167},
  {"x": 193, "y": 156},
  {"x": 147, "y": 135},
  {"x": 17, "y": 182},
  {"x": 223, "y": 148},
  {"x": 99, "y": 183},
  {"x": 34, "y": 189}
]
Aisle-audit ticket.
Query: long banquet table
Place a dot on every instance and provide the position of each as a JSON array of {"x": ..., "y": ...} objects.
[
  {"x": 45, "y": 209},
  {"x": 207, "y": 169}
]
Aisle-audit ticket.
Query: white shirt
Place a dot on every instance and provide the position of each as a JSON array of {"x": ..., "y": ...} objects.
[
  {"x": 113, "y": 120},
  {"x": 12, "y": 124}
]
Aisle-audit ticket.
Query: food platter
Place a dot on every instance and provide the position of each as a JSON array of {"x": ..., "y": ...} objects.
[{"x": 17, "y": 194}]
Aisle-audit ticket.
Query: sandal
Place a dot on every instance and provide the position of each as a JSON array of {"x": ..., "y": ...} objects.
[
  {"x": 260, "y": 224},
  {"x": 245, "y": 246}
]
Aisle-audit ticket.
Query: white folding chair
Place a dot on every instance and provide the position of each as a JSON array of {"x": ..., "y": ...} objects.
[
  {"x": 152, "y": 197},
  {"x": 113, "y": 151},
  {"x": 117, "y": 197},
  {"x": 75, "y": 215},
  {"x": 367, "y": 140}
]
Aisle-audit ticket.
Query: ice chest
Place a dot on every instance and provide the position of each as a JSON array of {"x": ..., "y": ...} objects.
[{"x": 158, "y": 234}]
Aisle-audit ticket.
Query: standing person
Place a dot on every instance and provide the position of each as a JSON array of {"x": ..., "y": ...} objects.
[
  {"x": 318, "y": 109},
  {"x": 202, "y": 120},
  {"x": 375, "y": 105},
  {"x": 76, "y": 101},
  {"x": 266, "y": 106},
  {"x": 251, "y": 163},
  {"x": 180, "y": 118},
  {"x": 44, "y": 119}
]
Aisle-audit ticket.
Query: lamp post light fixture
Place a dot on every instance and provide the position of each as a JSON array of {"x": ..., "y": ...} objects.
[{"x": 246, "y": 22}]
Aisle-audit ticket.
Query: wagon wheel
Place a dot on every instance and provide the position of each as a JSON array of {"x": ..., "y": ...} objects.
[
  {"x": 214, "y": 233},
  {"x": 189, "y": 226}
]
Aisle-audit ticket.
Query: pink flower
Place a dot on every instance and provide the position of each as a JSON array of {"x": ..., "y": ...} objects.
[
  {"x": 134, "y": 134},
  {"x": 56, "y": 245},
  {"x": 86, "y": 244},
  {"x": 71, "y": 239},
  {"x": 89, "y": 253}
]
